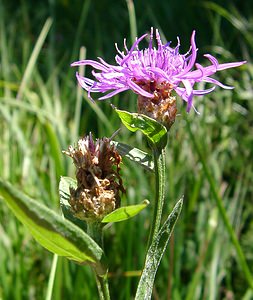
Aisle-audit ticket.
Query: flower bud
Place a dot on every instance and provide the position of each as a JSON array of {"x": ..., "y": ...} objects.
[{"x": 98, "y": 179}]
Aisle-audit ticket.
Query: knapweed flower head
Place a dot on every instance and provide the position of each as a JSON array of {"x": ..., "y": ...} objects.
[
  {"x": 153, "y": 73},
  {"x": 98, "y": 179}
]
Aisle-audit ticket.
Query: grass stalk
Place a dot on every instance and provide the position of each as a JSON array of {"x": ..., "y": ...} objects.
[
  {"x": 50, "y": 284},
  {"x": 132, "y": 20},
  {"x": 34, "y": 56},
  {"x": 240, "y": 255},
  {"x": 79, "y": 98}
]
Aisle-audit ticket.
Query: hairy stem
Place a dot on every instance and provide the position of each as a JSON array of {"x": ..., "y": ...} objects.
[
  {"x": 103, "y": 287},
  {"x": 94, "y": 230},
  {"x": 159, "y": 167}
]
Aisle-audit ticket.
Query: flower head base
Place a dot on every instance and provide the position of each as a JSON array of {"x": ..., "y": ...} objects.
[
  {"x": 98, "y": 180},
  {"x": 162, "y": 107},
  {"x": 151, "y": 71}
]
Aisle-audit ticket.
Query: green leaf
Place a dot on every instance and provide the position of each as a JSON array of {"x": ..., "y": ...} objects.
[
  {"x": 155, "y": 254},
  {"x": 154, "y": 131},
  {"x": 142, "y": 158},
  {"x": 125, "y": 212},
  {"x": 64, "y": 185},
  {"x": 51, "y": 230}
]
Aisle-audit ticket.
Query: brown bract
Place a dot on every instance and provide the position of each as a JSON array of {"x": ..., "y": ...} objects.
[
  {"x": 162, "y": 107},
  {"x": 98, "y": 179}
]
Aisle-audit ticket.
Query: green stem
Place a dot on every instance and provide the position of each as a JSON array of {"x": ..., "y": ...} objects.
[
  {"x": 159, "y": 168},
  {"x": 94, "y": 230},
  {"x": 103, "y": 287},
  {"x": 222, "y": 211}
]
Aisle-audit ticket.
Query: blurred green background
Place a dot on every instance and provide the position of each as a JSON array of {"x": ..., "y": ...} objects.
[{"x": 42, "y": 111}]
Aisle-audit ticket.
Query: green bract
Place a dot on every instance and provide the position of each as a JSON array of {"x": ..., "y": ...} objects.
[
  {"x": 155, "y": 132},
  {"x": 125, "y": 212},
  {"x": 140, "y": 157}
]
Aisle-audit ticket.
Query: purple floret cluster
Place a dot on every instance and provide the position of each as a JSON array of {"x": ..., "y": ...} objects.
[{"x": 145, "y": 71}]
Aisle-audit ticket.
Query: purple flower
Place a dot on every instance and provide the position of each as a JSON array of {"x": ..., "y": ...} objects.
[{"x": 153, "y": 72}]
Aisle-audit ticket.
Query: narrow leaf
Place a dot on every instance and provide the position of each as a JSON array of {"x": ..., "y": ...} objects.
[
  {"x": 125, "y": 212},
  {"x": 154, "y": 131},
  {"x": 52, "y": 231},
  {"x": 155, "y": 254},
  {"x": 142, "y": 158}
]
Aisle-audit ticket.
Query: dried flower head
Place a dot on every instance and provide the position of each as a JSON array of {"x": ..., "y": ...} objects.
[
  {"x": 98, "y": 179},
  {"x": 153, "y": 73}
]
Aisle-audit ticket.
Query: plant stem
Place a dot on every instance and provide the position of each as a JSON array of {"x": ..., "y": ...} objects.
[
  {"x": 159, "y": 167},
  {"x": 94, "y": 230},
  {"x": 222, "y": 211},
  {"x": 103, "y": 287}
]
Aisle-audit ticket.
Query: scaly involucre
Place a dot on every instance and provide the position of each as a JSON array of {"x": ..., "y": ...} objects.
[
  {"x": 147, "y": 71},
  {"x": 98, "y": 180}
]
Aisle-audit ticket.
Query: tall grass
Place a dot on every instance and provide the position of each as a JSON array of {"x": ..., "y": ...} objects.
[{"x": 42, "y": 111}]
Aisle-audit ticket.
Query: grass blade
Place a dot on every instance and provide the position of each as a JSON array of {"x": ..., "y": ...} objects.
[{"x": 34, "y": 56}]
